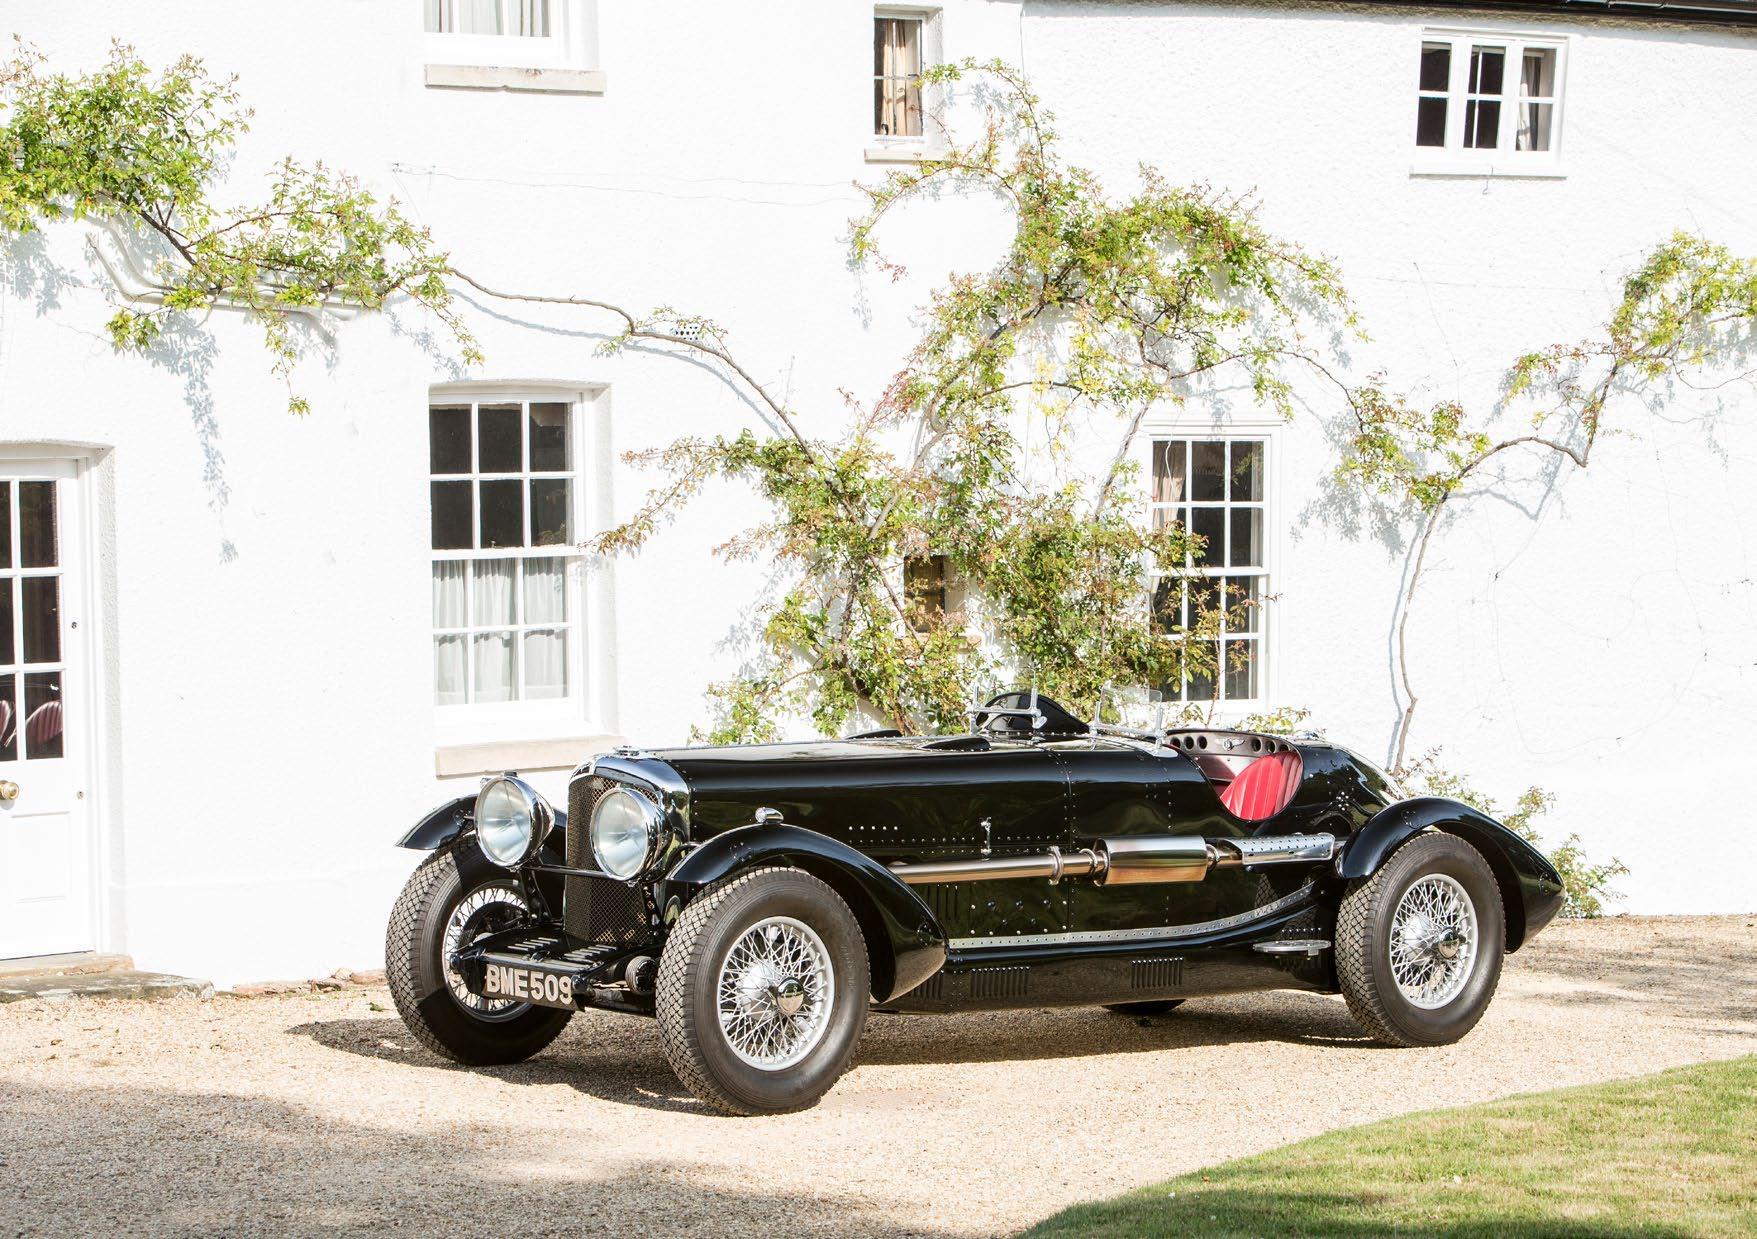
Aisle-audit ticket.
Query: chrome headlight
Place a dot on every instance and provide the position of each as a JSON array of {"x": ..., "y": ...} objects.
[
  {"x": 625, "y": 833},
  {"x": 511, "y": 821}
]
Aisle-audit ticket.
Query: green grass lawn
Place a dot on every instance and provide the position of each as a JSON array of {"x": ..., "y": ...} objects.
[{"x": 1671, "y": 1154}]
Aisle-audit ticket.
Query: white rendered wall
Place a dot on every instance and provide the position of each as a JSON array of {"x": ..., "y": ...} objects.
[{"x": 272, "y": 679}]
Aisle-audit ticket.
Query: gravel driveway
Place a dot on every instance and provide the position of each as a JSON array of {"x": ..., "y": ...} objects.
[{"x": 309, "y": 1111}]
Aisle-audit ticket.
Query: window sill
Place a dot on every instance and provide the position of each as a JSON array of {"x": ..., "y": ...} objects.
[
  {"x": 901, "y": 152},
  {"x": 1469, "y": 169},
  {"x": 506, "y": 77},
  {"x": 494, "y": 756}
]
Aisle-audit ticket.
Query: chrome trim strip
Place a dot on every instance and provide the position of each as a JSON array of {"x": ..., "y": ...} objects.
[{"x": 1167, "y": 933}]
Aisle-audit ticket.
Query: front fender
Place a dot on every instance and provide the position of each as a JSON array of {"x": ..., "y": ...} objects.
[
  {"x": 1531, "y": 889},
  {"x": 455, "y": 817},
  {"x": 904, "y": 941}
]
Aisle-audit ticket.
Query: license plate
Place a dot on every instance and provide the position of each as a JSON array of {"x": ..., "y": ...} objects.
[{"x": 531, "y": 985}]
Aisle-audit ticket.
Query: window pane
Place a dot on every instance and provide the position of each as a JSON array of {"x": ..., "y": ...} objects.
[
  {"x": 448, "y": 594},
  {"x": 1168, "y": 604},
  {"x": 8, "y": 718},
  {"x": 5, "y": 621},
  {"x": 448, "y": 440},
  {"x": 451, "y": 516},
  {"x": 463, "y": 16},
  {"x": 1436, "y": 66},
  {"x": 1243, "y": 594},
  {"x": 550, "y": 498},
  {"x": 42, "y": 619},
  {"x": 494, "y": 666},
  {"x": 503, "y": 516},
  {"x": 448, "y": 671},
  {"x": 1488, "y": 67},
  {"x": 1199, "y": 683},
  {"x": 549, "y": 445},
  {"x": 1534, "y": 127},
  {"x": 5, "y": 524},
  {"x": 1241, "y": 670},
  {"x": 545, "y": 665},
  {"x": 498, "y": 436},
  {"x": 1169, "y": 461},
  {"x": 491, "y": 592},
  {"x": 924, "y": 590},
  {"x": 1247, "y": 471},
  {"x": 1430, "y": 122},
  {"x": 1210, "y": 524},
  {"x": 1537, "y": 73},
  {"x": 896, "y": 67},
  {"x": 1170, "y": 516},
  {"x": 42, "y": 715},
  {"x": 1482, "y": 122},
  {"x": 530, "y": 17},
  {"x": 36, "y": 525},
  {"x": 1204, "y": 597},
  {"x": 1208, "y": 470},
  {"x": 1245, "y": 550},
  {"x": 545, "y": 590}
]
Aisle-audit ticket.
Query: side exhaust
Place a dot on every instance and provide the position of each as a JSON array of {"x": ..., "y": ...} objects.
[{"x": 1137, "y": 859}]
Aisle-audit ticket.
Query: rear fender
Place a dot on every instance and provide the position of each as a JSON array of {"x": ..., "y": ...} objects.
[
  {"x": 1531, "y": 889},
  {"x": 903, "y": 941}
]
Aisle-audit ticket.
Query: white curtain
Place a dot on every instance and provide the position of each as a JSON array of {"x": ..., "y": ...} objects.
[
  {"x": 545, "y": 590},
  {"x": 524, "y": 17},
  {"x": 545, "y": 664},
  {"x": 897, "y": 67},
  {"x": 492, "y": 584},
  {"x": 448, "y": 651},
  {"x": 1537, "y": 87}
]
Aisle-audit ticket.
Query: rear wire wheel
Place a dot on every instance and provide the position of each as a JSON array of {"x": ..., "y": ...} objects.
[
  {"x": 1419, "y": 944},
  {"x": 762, "y": 992}
]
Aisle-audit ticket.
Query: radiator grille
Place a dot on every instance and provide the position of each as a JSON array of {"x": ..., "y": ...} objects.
[{"x": 598, "y": 910}]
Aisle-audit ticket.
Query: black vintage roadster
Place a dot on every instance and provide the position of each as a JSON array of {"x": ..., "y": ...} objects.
[{"x": 760, "y": 900}]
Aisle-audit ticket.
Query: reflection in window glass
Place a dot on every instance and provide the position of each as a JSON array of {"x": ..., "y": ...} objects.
[
  {"x": 549, "y": 445},
  {"x": 8, "y": 718},
  {"x": 499, "y": 442},
  {"x": 503, "y": 517},
  {"x": 42, "y": 716},
  {"x": 5, "y": 524},
  {"x": 448, "y": 436},
  {"x": 42, "y": 619},
  {"x": 36, "y": 525},
  {"x": 6, "y": 620}
]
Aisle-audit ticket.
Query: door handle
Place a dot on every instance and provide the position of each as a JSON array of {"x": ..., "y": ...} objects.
[{"x": 8, "y": 790}]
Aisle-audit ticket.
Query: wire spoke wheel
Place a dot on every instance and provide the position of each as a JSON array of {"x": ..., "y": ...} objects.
[
  {"x": 485, "y": 910},
  {"x": 775, "y": 992},
  {"x": 1433, "y": 941}
]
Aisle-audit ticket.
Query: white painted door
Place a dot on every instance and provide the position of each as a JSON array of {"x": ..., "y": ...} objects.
[{"x": 46, "y": 877}]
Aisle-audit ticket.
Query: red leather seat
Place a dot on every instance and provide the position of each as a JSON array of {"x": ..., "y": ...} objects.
[{"x": 1264, "y": 788}]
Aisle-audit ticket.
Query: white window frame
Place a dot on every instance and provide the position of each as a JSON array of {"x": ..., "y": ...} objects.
[
  {"x": 883, "y": 148},
  {"x": 566, "y": 59},
  {"x": 1243, "y": 429},
  {"x": 570, "y": 713},
  {"x": 1454, "y": 158}
]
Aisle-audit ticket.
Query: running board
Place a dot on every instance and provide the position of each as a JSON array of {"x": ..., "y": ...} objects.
[{"x": 1132, "y": 859}]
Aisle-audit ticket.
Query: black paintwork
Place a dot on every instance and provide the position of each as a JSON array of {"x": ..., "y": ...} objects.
[{"x": 852, "y": 808}]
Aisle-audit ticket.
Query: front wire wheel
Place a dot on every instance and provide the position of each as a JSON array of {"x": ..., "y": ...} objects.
[
  {"x": 453, "y": 898},
  {"x": 762, "y": 992},
  {"x": 1419, "y": 944}
]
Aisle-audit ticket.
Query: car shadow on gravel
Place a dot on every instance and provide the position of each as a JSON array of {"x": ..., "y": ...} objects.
[
  {"x": 141, "y": 1160},
  {"x": 617, "y": 1058},
  {"x": 612, "y": 1058}
]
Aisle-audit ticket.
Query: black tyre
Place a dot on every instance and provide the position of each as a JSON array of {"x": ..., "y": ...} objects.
[
  {"x": 1159, "y": 1007},
  {"x": 762, "y": 992},
  {"x": 453, "y": 898},
  {"x": 1419, "y": 944}
]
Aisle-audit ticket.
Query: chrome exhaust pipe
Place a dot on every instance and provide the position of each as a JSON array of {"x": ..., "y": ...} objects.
[{"x": 1134, "y": 860}]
